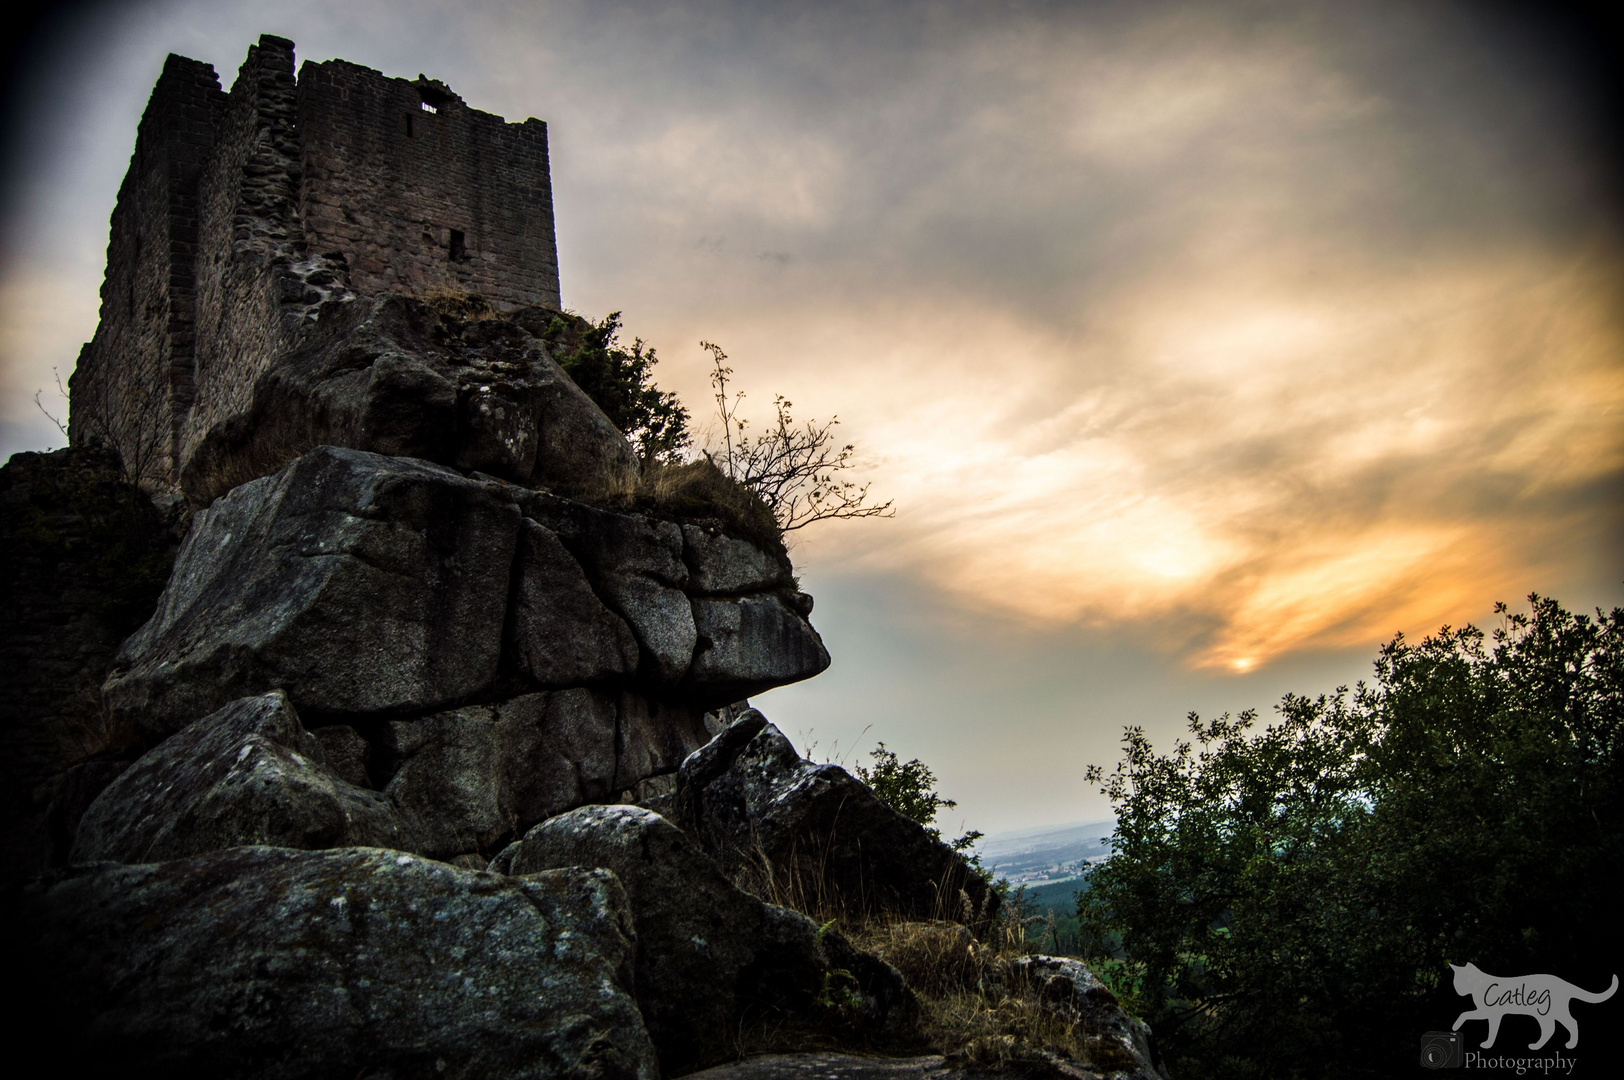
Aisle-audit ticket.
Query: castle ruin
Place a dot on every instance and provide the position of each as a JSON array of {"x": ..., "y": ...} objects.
[{"x": 245, "y": 216}]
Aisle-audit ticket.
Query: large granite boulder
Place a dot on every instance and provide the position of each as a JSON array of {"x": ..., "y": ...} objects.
[
  {"x": 750, "y": 644},
  {"x": 396, "y": 376},
  {"x": 635, "y": 563},
  {"x": 1119, "y": 1043},
  {"x": 561, "y": 633},
  {"x": 473, "y": 778},
  {"x": 268, "y": 963},
  {"x": 247, "y": 774},
  {"x": 356, "y": 582},
  {"x": 783, "y": 825},
  {"x": 713, "y": 962}
]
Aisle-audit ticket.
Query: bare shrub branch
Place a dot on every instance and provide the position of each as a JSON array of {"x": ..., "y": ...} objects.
[{"x": 793, "y": 468}]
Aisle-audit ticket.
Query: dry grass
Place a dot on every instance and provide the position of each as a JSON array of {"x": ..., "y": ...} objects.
[
  {"x": 85, "y": 729},
  {"x": 467, "y": 306},
  {"x": 691, "y": 491},
  {"x": 977, "y": 1008}
]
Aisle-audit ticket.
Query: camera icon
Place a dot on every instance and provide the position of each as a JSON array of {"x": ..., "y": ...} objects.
[{"x": 1440, "y": 1050}]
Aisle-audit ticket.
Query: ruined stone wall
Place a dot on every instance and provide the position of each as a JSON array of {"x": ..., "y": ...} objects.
[
  {"x": 420, "y": 202},
  {"x": 133, "y": 382},
  {"x": 247, "y": 233},
  {"x": 244, "y": 215}
]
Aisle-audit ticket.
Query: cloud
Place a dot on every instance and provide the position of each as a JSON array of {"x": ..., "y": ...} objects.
[
  {"x": 1259, "y": 467},
  {"x": 1245, "y": 329}
]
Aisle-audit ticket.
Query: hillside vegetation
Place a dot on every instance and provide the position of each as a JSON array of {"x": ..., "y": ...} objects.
[{"x": 1286, "y": 901}]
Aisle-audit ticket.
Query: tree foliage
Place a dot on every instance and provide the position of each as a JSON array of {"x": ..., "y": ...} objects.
[
  {"x": 620, "y": 380},
  {"x": 1286, "y": 901},
  {"x": 794, "y": 469},
  {"x": 909, "y": 788}
]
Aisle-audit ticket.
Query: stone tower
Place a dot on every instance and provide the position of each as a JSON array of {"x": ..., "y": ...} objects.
[{"x": 246, "y": 215}]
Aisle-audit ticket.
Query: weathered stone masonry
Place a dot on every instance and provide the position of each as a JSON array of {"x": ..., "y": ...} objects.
[
  {"x": 424, "y": 200},
  {"x": 244, "y": 213}
]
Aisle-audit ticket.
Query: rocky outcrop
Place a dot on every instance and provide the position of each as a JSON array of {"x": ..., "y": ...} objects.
[
  {"x": 427, "y": 610},
  {"x": 561, "y": 633},
  {"x": 478, "y": 776},
  {"x": 713, "y": 962},
  {"x": 495, "y": 654},
  {"x": 723, "y": 565},
  {"x": 83, "y": 557},
  {"x": 455, "y": 785},
  {"x": 358, "y": 583},
  {"x": 248, "y": 774},
  {"x": 749, "y": 644},
  {"x": 395, "y": 376},
  {"x": 265, "y": 962},
  {"x": 636, "y": 564},
  {"x": 799, "y": 828},
  {"x": 1120, "y": 1044}
]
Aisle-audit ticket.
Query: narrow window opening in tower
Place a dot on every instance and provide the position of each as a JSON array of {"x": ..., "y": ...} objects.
[
  {"x": 429, "y": 108},
  {"x": 459, "y": 245},
  {"x": 408, "y": 125}
]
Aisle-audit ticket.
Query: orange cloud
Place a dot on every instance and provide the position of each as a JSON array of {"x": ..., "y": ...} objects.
[{"x": 1276, "y": 468}]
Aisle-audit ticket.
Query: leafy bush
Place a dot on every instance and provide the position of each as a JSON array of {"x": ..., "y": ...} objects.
[
  {"x": 1286, "y": 900},
  {"x": 909, "y": 788},
  {"x": 620, "y": 381}
]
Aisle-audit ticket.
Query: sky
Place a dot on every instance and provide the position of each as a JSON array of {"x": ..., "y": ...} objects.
[{"x": 1202, "y": 347}]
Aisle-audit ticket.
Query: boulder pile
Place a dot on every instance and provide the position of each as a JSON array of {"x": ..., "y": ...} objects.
[{"x": 430, "y": 763}]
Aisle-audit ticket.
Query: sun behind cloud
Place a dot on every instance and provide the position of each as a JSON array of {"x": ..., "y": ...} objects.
[{"x": 1272, "y": 472}]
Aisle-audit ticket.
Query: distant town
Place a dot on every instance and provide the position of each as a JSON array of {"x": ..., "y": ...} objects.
[{"x": 1046, "y": 857}]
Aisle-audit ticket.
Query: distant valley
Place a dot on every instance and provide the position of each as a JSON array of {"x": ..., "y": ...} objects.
[{"x": 1048, "y": 862}]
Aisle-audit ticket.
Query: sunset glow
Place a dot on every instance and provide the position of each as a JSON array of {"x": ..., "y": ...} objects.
[{"x": 1206, "y": 339}]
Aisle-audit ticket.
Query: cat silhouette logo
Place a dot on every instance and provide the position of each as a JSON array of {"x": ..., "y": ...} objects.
[{"x": 1544, "y": 997}]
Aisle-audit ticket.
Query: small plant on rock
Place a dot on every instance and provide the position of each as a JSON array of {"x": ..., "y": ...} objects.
[{"x": 795, "y": 469}]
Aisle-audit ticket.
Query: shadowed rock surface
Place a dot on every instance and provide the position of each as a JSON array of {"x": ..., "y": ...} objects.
[
  {"x": 1068, "y": 986},
  {"x": 264, "y": 962},
  {"x": 562, "y": 634},
  {"x": 83, "y": 557},
  {"x": 713, "y": 962},
  {"x": 635, "y": 564},
  {"x": 816, "y": 832},
  {"x": 248, "y": 774},
  {"x": 724, "y": 565},
  {"x": 356, "y": 582},
  {"x": 750, "y": 644},
  {"x": 829, "y": 1066},
  {"x": 394, "y": 376}
]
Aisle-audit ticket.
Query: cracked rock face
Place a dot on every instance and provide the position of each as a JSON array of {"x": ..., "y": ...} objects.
[
  {"x": 561, "y": 633},
  {"x": 769, "y": 815},
  {"x": 268, "y": 963},
  {"x": 749, "y": 644},
  {"x": 248, "y": 774},
  {"x": 391, "y": 375},
  {"x": 358, "y": 583},
  {"x": 636, "y": 565},
  {"x": 711, "y": 959},
  {"x": 483, "y": 656}
]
